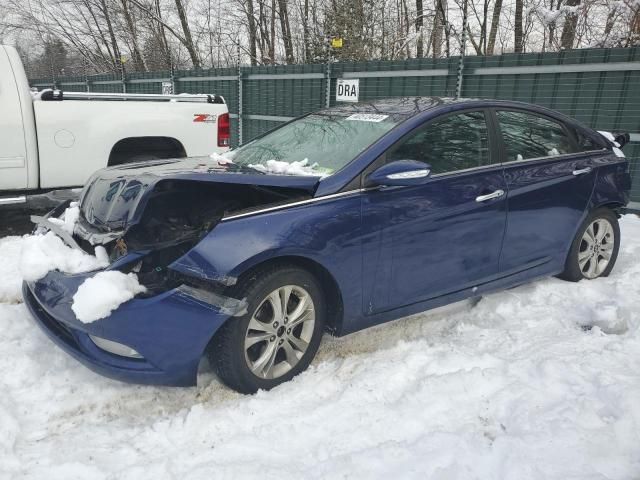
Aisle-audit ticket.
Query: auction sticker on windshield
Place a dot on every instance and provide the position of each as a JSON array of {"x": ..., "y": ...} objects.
[{"x": 367, "y": 117}]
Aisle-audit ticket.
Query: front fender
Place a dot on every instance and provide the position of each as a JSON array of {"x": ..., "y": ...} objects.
[{"x": 327, "y": 232}]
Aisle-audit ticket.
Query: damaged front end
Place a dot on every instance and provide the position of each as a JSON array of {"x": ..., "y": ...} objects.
[{"x": 146, "y": 220}]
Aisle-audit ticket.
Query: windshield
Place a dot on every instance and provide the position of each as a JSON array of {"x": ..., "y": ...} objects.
[{"x": 316, "y": 145}]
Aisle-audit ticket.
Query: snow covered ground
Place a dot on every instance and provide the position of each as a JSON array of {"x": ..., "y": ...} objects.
[{"x": 517, "y": 387}]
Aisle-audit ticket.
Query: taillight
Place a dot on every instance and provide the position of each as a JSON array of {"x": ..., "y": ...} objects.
[{"x": 223, "y": 130}]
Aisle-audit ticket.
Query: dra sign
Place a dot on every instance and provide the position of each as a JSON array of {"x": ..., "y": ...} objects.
[
  {"x": 347, "y": 90},
  {"x": 167, "y": 88}
]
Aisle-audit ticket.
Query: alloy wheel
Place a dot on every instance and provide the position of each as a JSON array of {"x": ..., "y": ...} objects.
[
  {"x": 596, "y": 248},
  {"x": 279, "y": 332}
]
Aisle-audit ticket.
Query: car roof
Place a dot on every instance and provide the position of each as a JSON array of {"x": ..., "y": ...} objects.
[{"x": 402, "y": 106}]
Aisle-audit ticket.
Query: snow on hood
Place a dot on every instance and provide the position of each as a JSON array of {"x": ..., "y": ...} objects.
[
  {"x": 285, "y": 168},
  {"x": 277, "y": 167}
]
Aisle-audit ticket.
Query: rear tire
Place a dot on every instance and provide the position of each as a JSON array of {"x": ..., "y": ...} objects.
[
  {"x": 595, "y": 248},
  {"x": 265, "y": 347}
]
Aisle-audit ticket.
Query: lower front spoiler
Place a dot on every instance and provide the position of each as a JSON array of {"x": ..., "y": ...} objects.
[{"x": 171, "y": 345}]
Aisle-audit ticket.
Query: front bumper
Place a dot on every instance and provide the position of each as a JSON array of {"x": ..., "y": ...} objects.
[{"x": 170, "y": 331}]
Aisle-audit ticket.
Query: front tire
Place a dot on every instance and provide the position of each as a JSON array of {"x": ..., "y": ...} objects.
[
  {"x": 278, "y": 336},
  {"x": 595, "y": 248}
]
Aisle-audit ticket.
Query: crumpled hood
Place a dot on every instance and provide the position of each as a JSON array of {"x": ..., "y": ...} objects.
[{"x": 114, "y": 198}]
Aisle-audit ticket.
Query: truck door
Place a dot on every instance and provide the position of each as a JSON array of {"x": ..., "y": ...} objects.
[{"x": 13, "y": 151}]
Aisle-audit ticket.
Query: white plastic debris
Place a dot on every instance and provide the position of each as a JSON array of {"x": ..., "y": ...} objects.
[{"x": 69, "y": 218}]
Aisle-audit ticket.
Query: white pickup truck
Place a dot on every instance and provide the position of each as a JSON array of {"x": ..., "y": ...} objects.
[{"x": 56, "y": 140}]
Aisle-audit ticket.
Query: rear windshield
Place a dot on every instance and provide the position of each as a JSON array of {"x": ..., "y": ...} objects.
[{"x": 314, "y": 145}]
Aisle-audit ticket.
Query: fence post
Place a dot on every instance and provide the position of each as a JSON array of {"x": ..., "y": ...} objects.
[
  {"x": 239, "y": 98},
  {"x": 123, "y": 77},
  {"x": 463, "y": 45},
  {"x": 173, "y": 80},
  {"x": 327, "y": 100}
]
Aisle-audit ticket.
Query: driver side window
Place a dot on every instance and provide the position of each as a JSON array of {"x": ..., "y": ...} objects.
[{"x": 456, "y": 142}]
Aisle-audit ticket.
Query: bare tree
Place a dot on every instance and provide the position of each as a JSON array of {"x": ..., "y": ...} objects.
[
  {"x": 286, "y": 30},
  {"x": 188, "y": 41},
  {"x": 160, "y": 34},
  {"x": 569, "y": 29},
  {"x": 495, "y": 21},
  {"x": 517, "y": 39},
  {"x": 419, "y": 27}
]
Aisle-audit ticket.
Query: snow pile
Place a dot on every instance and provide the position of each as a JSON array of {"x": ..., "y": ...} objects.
[
  {"x": 42, "y": 253},
  {"x": 101, "y": 294},
  {"x": 10, "y": 277},
  {"x": 537, "y": 382},
  {"x": 285, "y": 168}
]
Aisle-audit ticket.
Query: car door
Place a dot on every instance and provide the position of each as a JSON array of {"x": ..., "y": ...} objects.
[
  {"x": 445, "y": 235},
  {"x": 549, "y": 182}
]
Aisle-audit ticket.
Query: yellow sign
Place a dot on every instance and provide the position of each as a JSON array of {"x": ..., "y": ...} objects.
[{"x": 336, "y": 42}]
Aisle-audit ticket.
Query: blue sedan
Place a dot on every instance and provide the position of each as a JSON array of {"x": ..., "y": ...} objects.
[{"x": 339, "y": 220}]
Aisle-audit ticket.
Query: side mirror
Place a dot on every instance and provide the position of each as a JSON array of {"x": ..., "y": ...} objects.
[
  {"x": 401, "y": 173},
  {"x": 623, "y": 139}
]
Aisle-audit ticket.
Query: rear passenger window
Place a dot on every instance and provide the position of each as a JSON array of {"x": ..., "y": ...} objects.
[
  {"x": 527, "y": 136},
  {"x": 455, "y": 143}
]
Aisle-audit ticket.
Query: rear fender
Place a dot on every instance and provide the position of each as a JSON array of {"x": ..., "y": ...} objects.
[{"x": 612, "y": 187}]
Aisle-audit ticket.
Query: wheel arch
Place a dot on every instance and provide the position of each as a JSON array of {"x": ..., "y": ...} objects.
[
  {"x": 330, "y": 287},
  {"x": 610, "y": 204},
  {"x": 160, "y": 146}
]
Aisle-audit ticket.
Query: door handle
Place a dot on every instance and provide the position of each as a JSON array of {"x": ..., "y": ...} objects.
[
  {"x": 582, "y": 171},
  {"x": 489, "y": 196}
]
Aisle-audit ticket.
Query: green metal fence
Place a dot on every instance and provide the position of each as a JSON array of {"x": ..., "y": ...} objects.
[{"x": 600, "y": 87}]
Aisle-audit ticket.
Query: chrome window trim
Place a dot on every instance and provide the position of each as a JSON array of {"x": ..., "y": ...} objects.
[
  {"x": 465, "y": 170},
  {"x": 294, "y": 204},
  {"x": 562, "y": 156}
]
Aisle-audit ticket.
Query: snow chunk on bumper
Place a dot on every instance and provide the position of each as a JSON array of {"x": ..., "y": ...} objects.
[
  {"x": 43, "y": 253},
  {"x": 101, "y": 294}
]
